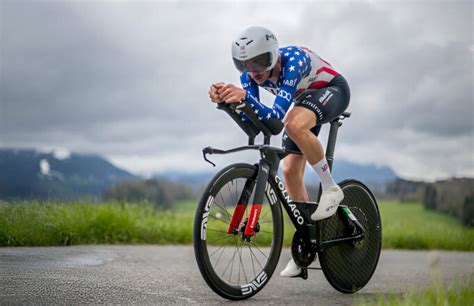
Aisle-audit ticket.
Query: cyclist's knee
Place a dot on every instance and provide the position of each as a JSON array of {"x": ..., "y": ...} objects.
[
  {"x": 295, "y": 128},
  {"x": 299, "y": 121}
]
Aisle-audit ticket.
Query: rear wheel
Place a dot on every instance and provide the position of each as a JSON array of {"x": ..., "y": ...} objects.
[
  {"x": 236, "y": 266},
  {"x": 349, "y": 266}
]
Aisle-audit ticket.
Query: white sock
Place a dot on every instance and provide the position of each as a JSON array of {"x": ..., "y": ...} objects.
[{"x": 324, "y": 173}]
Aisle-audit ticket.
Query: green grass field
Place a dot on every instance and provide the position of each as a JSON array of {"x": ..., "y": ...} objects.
[
  {"x": 410, "y": 226},
  {"x": 435, "y": 296},
  {"x": 406, "y": 226},
  {"x": 34, "y": 224},
  {"x": 439, "y": 294}
]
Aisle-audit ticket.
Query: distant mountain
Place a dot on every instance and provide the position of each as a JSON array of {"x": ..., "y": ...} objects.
[
  {"x": 372, "y": 175},
  {"x": 194, "y": 179},
  {"x": 29, "y": 174}
]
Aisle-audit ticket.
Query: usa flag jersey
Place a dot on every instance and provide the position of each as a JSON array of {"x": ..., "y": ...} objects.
[{"x": 301, "y": 69}]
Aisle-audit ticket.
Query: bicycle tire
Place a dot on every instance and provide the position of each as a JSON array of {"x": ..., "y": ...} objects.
[
  {"x": 207, "y": 218},
  {"x": 348, "y": 267}
]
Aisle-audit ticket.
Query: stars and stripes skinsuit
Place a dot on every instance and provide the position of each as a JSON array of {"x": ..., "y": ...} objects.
[{"x": 305, "y": 79}]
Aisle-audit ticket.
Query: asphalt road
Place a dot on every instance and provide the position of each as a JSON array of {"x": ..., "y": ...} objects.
[{"x": 169, "y": 275}]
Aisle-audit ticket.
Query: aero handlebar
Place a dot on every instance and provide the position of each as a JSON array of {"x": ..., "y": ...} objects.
[{"x": 270, "y": 127}]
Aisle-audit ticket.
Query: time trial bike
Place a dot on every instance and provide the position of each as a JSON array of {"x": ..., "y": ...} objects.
[{"x": 238, "y": 226}]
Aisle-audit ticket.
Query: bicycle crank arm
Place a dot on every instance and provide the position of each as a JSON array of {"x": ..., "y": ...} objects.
[{"x": 303, "y": 274}]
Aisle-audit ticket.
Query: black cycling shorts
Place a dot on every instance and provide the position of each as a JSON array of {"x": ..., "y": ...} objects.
[{"x": 327, "y": 103}]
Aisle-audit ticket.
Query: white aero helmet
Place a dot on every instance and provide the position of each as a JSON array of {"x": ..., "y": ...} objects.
[{"x": 255, "y": 49}]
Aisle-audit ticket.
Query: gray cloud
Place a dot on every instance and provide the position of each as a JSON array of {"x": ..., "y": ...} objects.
[{"x": 130, "y": 80}]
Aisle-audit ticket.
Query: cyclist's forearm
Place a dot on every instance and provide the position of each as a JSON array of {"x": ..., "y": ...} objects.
[{"x": 263, "y": 112}]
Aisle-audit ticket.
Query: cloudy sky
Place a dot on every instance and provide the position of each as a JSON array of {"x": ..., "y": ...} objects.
[{"x": 129, "y": 80}]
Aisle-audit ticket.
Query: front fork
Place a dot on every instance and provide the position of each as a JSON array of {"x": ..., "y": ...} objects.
[{"x": 256, "y": 208}]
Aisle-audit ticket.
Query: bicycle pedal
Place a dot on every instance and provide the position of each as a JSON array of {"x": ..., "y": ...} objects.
[{"x": 303, "y": 274}]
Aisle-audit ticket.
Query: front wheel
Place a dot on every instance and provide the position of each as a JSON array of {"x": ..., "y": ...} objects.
[
  {"x": 349, "y": 266},
  {"x": 234, "y": 265}
]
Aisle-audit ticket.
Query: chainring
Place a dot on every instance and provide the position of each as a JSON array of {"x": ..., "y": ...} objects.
[{"x": 302, "y": 251}]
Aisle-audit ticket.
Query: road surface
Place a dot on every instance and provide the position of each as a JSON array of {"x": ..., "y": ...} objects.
[{"x": 169, "y": 274}]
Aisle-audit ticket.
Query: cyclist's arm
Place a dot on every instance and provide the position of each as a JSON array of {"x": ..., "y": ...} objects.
[
  {"x": 251, "y": 92},
  {"x": 250, "y": 86},
  {"x": 280, "y": 106},
  {"x": 295, "y": 67},
  {"x": 252, "y": 96}
]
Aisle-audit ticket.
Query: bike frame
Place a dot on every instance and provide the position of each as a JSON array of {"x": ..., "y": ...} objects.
[{"x": 298, "y": 212}]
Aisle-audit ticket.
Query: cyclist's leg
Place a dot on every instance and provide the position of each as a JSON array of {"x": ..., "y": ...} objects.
[
  {"x": 326, "y": 103},
  {"x": 298, "y": 125},
  {"x": 293, "y": 169},
  {"x": 318, "y": 106}
]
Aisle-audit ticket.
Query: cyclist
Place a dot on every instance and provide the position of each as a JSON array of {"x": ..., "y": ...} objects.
[{"x": 319, "y": 93}]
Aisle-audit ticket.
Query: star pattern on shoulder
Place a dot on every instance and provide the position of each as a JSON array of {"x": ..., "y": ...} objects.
[
  {"x": 292, "y": 58},
  {"x": 269, "y": 116},
  {"x": 292, "y": 68},
  {"x": 289, "y": 48},
  {"x": 297, "y": 53},
  {"x": 300, "y": 63}
]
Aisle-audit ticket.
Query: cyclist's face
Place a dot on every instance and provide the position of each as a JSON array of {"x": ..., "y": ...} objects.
[{"x": 260, "y": 77}]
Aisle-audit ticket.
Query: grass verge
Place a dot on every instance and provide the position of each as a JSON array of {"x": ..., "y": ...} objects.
[
  {"x": 406, "y": 226},
  {"x": 410, "y": 226},
  {"x": 35, "y": 224},
  {"x": 458, "y": 293}
]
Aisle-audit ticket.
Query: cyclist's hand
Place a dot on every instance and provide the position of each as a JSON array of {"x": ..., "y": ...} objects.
[
  {"x": 213, "y": 94},
  {"x": 230, "y": 93}
]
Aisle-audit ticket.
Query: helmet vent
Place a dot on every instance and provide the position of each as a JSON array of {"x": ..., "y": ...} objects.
[
  {"x": 237, "y": 44},
  {"x": 249, "y": 42}
]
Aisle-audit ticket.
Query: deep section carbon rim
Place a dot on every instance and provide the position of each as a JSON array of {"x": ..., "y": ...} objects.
[
  {"x": 234, "y": 265},
  {"x": 349, "y": 266}
]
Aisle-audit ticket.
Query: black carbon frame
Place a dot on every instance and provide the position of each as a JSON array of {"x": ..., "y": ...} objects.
[{"x": 269, "y": 163}]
